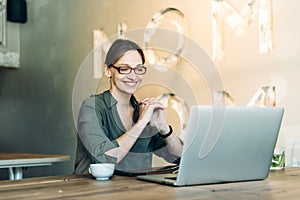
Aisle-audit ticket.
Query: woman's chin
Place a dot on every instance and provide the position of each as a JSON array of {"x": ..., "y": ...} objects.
[{"x": 130, "y": 90}]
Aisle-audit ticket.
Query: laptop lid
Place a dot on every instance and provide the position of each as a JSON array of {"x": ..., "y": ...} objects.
[{"x": 227, "y": 144}]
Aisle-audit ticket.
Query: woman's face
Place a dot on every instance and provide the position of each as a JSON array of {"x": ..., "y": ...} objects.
[{"x": 126, "y": 83}]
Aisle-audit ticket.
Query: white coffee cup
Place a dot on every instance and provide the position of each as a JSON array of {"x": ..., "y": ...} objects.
[{"x": 102, "y": 171}]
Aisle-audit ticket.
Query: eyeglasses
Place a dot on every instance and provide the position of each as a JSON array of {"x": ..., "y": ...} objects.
[{"x": 126, "y": 69}]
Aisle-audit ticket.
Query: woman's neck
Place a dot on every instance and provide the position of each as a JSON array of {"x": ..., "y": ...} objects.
[
  {"x": 124, "y": 108},
  {"x": 122, "y": 98}
]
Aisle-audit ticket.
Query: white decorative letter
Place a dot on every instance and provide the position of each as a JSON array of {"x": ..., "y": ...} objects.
[
  {"x": 239, "y": 21},
  {"x": 100, "y": 44}
]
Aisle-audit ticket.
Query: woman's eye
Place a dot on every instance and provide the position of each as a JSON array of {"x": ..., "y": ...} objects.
[{"x": 124, "y": 69}]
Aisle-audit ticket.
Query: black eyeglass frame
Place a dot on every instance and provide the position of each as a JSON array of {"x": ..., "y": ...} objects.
[{"x": 134, "y": 69}]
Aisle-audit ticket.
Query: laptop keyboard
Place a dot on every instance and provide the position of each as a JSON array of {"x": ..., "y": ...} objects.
[
  {"x": 168, "y": 169},
  {"x": 171, "y": 178}
]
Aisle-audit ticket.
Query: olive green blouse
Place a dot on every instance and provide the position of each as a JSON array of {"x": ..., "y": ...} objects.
[{"x": 99, "y": 125}]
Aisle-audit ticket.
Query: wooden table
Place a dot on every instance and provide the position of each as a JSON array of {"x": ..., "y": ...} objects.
[
  {"x": 15, "y": 162},
  {"x": 280, "y": 185}
]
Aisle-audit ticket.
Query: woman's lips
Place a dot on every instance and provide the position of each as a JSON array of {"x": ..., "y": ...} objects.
[{"x": 130, "y": 83}]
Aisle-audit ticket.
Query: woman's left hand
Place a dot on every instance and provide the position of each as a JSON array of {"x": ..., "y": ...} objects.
[{"x": 158, "y": 120}]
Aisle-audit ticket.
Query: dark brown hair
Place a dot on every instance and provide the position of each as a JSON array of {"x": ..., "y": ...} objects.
[{"x": 119, "y": 48}]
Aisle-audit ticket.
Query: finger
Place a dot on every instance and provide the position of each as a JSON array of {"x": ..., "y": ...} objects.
[
  {"x": 149, "y": 101},
  {"x": 145, "y": 101}
]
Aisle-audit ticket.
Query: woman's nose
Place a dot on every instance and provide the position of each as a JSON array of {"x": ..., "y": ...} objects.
[{"x": 132, "y": 74}]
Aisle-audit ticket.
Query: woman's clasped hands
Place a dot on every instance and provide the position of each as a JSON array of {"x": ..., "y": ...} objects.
[{"x": 153, "y": 112}]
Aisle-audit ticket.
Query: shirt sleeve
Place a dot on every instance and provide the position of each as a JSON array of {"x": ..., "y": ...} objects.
[
  {"x": 160, "y": 149},
  {"x": 93, "y": 135}
]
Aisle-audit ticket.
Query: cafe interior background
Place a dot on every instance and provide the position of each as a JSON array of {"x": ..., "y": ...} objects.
[{"x": 37, "y": 88}]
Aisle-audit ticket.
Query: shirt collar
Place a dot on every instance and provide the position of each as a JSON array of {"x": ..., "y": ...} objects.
[{"x": 110, "y": 101}]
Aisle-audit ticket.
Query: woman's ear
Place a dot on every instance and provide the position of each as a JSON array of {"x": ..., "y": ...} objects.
[{"x": 107, "y": 72}]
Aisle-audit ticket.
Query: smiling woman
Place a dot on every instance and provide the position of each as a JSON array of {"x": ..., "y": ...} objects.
[{"x": 113, "y": 127}]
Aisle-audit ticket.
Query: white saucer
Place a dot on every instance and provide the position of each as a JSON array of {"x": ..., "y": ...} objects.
[{"x": 102, "y": 178}]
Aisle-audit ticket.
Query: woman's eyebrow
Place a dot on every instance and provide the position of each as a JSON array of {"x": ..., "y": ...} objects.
[{"x": 129, "y": 64}]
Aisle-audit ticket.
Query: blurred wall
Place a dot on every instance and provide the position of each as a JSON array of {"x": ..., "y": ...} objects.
[{"x": 36, "y": 99}]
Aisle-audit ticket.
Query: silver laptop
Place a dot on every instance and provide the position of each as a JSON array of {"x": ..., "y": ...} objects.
[{"x": 225, "y": 144}]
